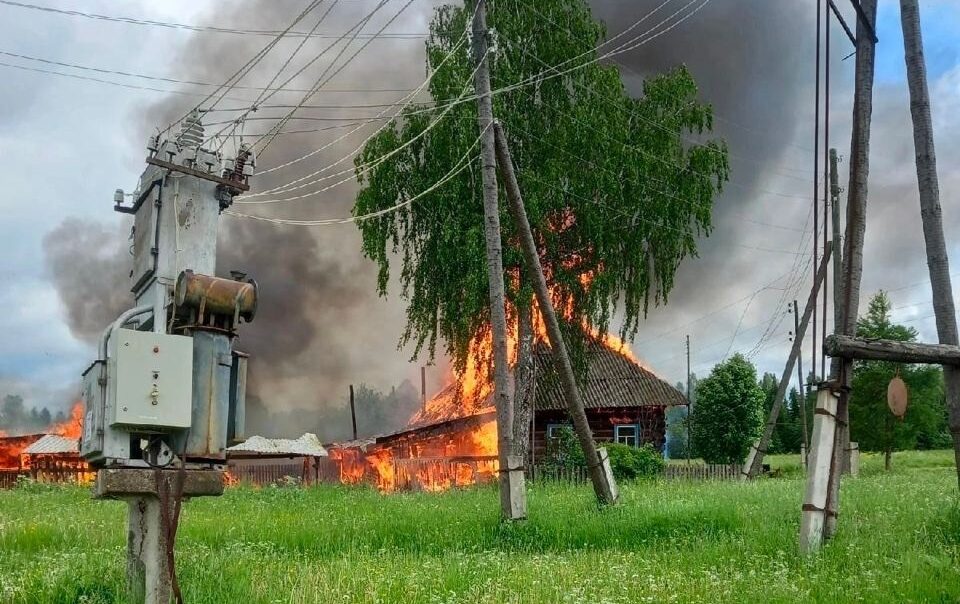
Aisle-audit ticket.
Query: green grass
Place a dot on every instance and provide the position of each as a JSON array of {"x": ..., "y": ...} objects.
[{"x": 667, "y": 542}]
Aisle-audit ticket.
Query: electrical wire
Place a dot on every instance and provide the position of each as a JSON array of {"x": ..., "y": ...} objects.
[
  {"x": 457, "y": 169},
  {"x": 197, "y": 28},
  {"x": 353, "y": 172},
  {"x": 246, "y": 67},
  {"x": 406, "y": 102},
  {"x": 354, "y": 30},
  {"x": 324, "y": 78}
]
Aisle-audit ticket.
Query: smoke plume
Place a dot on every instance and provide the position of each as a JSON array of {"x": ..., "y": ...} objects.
[{"x": 320, "y": 324}]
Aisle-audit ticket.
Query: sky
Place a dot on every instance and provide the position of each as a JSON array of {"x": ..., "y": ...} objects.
[{"x": 66, "y": 144}]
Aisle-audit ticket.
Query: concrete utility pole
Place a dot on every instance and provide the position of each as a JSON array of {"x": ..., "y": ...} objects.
[
  {"x": 938, "y": 262},
  {"x": 755, "y": 458},
  {"x": 821, "y": 523},
  {"x": 513, "y": 496},
  {"x": 597, "y": 460},
  {"x": 164, "y": 399}
]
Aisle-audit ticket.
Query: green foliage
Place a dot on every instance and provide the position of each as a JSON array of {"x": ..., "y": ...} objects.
[
  {"x": 564, "y": 450},
  {"x": 788, "y": 433},
  {"x": 676, "y": 418},
  {"x": 729, "y": 412},
  {"x": 630, "y": 463},
  {"x": 872, "y": 424},
  {"x": 627, "y": 462},
  {"x": 688, "y": 541},
  {"x": 611, "y": 184}
]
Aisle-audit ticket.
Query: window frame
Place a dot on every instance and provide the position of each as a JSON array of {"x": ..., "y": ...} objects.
[{"x": 637, "y": 431}]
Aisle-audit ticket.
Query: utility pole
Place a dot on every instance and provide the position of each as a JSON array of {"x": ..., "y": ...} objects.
[
  {"x": 842, "y": 438},
  {"x": 938, "y": 261},
  {"x": 353, "y": 414},
  {"x": 423, "y": 389},
  {"x": 820, "y": 512},
  {"x": 164, "y": 397},
  {"x": 513, "y": 497},
  {"x": 689, "y": 407},
  {"x": 598, "y": 463},
  {"x": 802, "y": 395},
  {"x": 755, "y": 458}
]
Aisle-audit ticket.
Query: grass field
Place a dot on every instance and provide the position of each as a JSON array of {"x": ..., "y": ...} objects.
[{"x": 667, "y": 542}]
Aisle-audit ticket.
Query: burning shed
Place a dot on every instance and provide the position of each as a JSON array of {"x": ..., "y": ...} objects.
[{"x": 453, "y": 440}]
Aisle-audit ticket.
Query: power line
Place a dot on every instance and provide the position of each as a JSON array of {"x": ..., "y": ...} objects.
[
  {"x": 249, "y": 65},
  {"x": 203, "y": 28},
  {"x": 461, "y": 165},
  {"x": 324, "y": 78},
  {"x": 156, "y": 78}
]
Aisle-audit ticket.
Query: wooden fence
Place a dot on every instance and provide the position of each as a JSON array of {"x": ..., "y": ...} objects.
[
  {"x": 550, "y": 473},
  {"x": 670, "y": 472},
  {"x": 703, "y": 472},
  {"x": 8, "y": 478}
]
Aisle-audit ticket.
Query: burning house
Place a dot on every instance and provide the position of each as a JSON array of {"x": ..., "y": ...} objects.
[
  {"x": 49, "y": 456},
  {"x": 453, "y": 440}
]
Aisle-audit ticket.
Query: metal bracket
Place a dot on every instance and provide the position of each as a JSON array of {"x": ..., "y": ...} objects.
[{"x": 229, "y": 184}]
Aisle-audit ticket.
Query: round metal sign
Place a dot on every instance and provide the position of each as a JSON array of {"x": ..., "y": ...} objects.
[{"x": 897, "y": 397}]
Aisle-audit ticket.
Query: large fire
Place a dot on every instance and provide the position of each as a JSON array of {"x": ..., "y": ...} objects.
[
  {"x": 12, "y": 447},
  {"x": 461, "y": 451}
]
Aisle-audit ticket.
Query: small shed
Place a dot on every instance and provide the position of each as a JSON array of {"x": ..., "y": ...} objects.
[{"x": 262, "y": 460}]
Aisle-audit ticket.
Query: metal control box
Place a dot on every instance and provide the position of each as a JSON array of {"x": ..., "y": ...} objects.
[{"x": 149, "y": 380}]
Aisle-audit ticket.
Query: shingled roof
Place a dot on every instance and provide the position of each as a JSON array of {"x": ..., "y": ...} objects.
[{"x": 613, "y": 380}]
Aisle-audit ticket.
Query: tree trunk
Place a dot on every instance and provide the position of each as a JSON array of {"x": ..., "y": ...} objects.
[
  {"x": 603, "y": 482},
  {"x": 853, "y": 241},
  {"x": 937, "y": 260},
  {"x": 523, "y": 383},
  {"x": 512, "y": 497}
]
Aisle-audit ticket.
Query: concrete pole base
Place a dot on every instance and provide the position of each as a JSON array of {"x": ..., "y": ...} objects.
[
  {"x": 514, "y": 496},
  {"x": 612, "y": 494},
  {"x": 148, "y": 570},
  {"x": 814, "y": 510}
]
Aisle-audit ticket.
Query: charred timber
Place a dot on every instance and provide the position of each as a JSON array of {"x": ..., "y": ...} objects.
[{"x": 849, "y": 347}]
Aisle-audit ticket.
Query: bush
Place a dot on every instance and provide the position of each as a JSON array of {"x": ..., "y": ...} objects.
[{"x": 629, "y": 463}]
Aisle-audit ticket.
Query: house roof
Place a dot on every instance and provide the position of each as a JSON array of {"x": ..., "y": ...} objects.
[
  {"x": 613, "y": 380},
  {"x": 50, "y": 444},
  {"x": 308, "y": 445}
]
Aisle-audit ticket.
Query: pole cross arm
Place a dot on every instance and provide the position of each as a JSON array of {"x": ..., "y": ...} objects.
[
  {"x": 862, "y": 16},
  {"x": 890, "y": 350}
]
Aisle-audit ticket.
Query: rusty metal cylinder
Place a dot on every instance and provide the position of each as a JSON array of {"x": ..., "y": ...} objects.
[{"x": 215, "y": 295}]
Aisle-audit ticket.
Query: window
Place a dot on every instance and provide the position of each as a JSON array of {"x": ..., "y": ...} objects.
[
  {"x": 553, "y": 430},
  {"x": 627, "y": 434}
]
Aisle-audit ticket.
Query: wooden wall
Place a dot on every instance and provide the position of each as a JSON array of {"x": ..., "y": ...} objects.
[{"x": 652, "y": 420}]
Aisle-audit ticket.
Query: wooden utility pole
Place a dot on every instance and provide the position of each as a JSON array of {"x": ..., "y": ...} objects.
[
  {"x": 689, "y": 406},
  {"x": 423, "y": 388},
  {"x": 800, "y": 391},
  {"x": 513, "y": 504},
  {"x": 755, "y": 458},
  {"x": 598, "y": 464},
  {"x": 353, "y": 414},
  {"x": 852, "y": 263},
  {"x": 938, "y": 261}
]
